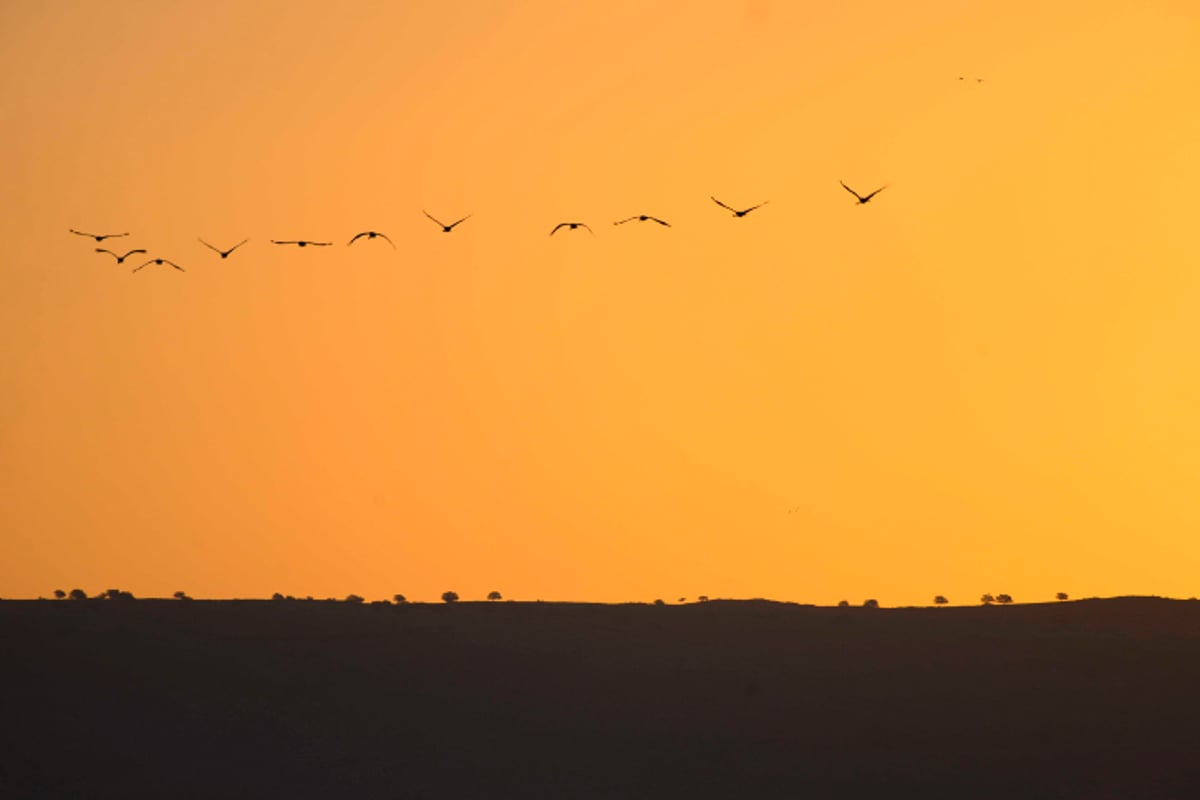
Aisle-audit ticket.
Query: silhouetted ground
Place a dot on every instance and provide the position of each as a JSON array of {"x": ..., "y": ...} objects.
[{"x": 290, "y": 699}]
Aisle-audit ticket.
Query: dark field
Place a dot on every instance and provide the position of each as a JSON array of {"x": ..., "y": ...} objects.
[{"x": 287, "y": 699}]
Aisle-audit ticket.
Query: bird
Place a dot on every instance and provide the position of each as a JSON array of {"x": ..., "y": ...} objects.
[
  {"x": 371, "y": 235},
  {"x": 737, "y": 213},
  {"x": 220, "y": 252},
  {"x": 160, "y": 261},
  {"x": 302, "y": 243},
  {"x": 445, "y": 228},
  {"x": 977, "y": 80},
  {"x": 120, "y": 259},
  {"x": 642, "y": 218},
  {"x": 861, "y": 199},
  {"x": 572, "y": 226},
  {"x": 99, "y": 237}
]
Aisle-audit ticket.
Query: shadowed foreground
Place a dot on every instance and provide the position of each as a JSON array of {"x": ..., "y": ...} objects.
[{"x": 750, "y": 699}]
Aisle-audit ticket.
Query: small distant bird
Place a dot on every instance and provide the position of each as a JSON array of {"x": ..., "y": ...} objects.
[
  {"x": 120, "y": 259},
  {"x": 861, "y": 199},
  {"x": 370, "y": 235},
  {"x": 977, "y": 80},
  {"x": 160, "y": 261},
  {"x": 642, "y": 218},
  {"x": 99, "y": 237},
  {"x": 445, "y": 228},
  {"x": 737, "y": 213},
  {"x": 572, "y": 226},
  {"x": 219, "y": 251},
  {"x": 302, "y": 243}
]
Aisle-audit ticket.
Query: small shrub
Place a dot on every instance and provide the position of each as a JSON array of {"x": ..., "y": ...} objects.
[
  {"x": 1061, "y": 596},
  {"x": 277, "y": 596},
  {"x": 872, "y": 603},
  {"x": 78, "y": 594},
  {"x": 987, "y": 599},
  {"x": 353, "y": 599},
  {"x": 494, "y": 596},
  {"x": 399, "y": 598},
  {"x": 449, "y": 597},
  {"x": 59, "y": 594},
  {"x": 660, "y": 602},
  {"x": 843, "y": 603},
  {"x": 181, "y": 595},
  {"x": 703, "y": 598},
  {"x": 1004, "y": 599},
  {"x": 940, "y": 600}
]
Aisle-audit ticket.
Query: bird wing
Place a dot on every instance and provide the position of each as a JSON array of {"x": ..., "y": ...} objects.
[
  {"x": 722, "y": 205},
  {"x": 206, "y": 244},
  {"x": 872, "y": 194},
  {"x": 659, "y": 221},
  {"x": 386, "y": 239},
  {"x": 357, "y": 236},
  {"x": 464, "y": 219},
  {"x": 173, "y": 264},
  {"x": 236, "y": 246},
  {"x": 851, "y": 191},
  {"x": 623, "y": 221},
  {"x": 559, "y": 225},
  {"x": 432, "y": 217},
  {"x": 320, "y": 244},
  {"x": 131, "y": 252},
  {"x": 276, "y": 241},
  {"x": 148, "y": 263},
  {"x": 760, "y": 205},
  {"x": 589, "y": 230},
  {"x": 81, "y": 233},
  {"x": 111, "y": 253}
]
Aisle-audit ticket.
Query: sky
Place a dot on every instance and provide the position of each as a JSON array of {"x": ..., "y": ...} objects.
[{"x": 984, "y": 380}]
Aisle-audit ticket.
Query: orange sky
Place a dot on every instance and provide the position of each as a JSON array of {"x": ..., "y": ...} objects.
[{"x": 983, "y": 381}]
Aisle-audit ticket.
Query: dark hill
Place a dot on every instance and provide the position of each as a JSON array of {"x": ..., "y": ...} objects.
[{"x": 292, "y": 699}]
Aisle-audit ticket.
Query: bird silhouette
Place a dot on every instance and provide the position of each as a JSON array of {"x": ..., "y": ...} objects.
[
  {"x": 445, "y": 228},
  {"x": 861, "y": 199},
  {"x": 371, "y": 235},
  {"x": 219, "y": 251},
  {"x": 737, "y": 213},
  {"x": 160, "y": 261},
  {"x": 977, "y": 80},
  {"x": 572, "y": 226},
  {"x": 99, "y": 237},
  {"x": 302, "y": 242},
  {"x": 120, "y": 259},
  {"x": 642, "y": 218}
]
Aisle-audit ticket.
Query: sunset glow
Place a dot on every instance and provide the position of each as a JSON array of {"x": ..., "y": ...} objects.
[{"x": 984, "y": 380}]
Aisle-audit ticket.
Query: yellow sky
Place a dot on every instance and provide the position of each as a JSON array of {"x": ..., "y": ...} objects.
[{"x": 984, "y": 380}]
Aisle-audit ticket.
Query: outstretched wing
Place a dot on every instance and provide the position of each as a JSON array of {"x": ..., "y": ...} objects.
[
  {"x": 111, "y": 253},
  {"x": 623, "y": 221},
  {"x": 432, "y": 217},
  {"x": 464, "y": 219},
  {"x": 276, "y": 241},
  {"x": 148, "y": 263},
  {"x": 851, "y": 191},
  {"x": 559, "y": 225},
  {"x": 81, "y": 233},
  {"x": 236, "y": 246},
  {"x": 173, "y": 264},
  {"x": 659, "y": 221},
  {"x": 206, "y": 244},
  {"x": 320, "y": 244},
  {"x": 386, "y": 239},
  {"x": 131, "y": 252},
  {"x": 589, "y": 230},
  {"x": 760, "y": 205},
  {"x": 872, "y": 194},
  {"x": 722, "y": 205},
  {"x": 357, "y": 236}
]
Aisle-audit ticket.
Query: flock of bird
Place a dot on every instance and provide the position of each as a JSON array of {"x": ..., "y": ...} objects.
[{"x": 446, "y": 228}]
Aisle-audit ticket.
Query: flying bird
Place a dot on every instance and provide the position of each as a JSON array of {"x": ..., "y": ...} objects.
[
  {"x": 99, "y": 237},
  {"x": 861, "y": 199},
  {"x": 737, "y": 213},
  {"x": 977, "y": 80},
  {"x": 302, "y": 243},
  {"x": 219, "y": 251},
  {"x": 160, "y": 261},
  {"x": 642, "y": 218},
  {"x": 120, "y": 259},
  {"x": 572, "y": 226},
  {"x": 445, "y": 228},
  {"x": 370, "y": 235}
]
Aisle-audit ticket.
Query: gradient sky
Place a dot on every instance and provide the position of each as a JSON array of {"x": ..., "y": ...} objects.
[{"x": 986, "y": 380}]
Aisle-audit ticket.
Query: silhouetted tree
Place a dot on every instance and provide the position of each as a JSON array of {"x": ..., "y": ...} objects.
[
  {"x": 353, "y": 599},
  {"x": 494, "y": 596},
  {"x": 843, "y": 603},
  {"x": 1061, "y": 596},
  {"x": 987, "y": 599},
  {"x": 660, "y": 602},
  {"x": 277, "y": 596},
  {"x": 59, "y": 594},
  {"x": 703, "y": 598},
  {"x": 1004, "y": 598},
  {"x": 399, "y": 598},
  {"x": 181, "y": 595},
  {"x": 940, "y": 600},
  {"x": 449, "y": 597},
  {"x": 78, "y": 594},
  {"x": 872, "y": 603},
  {"x": 118, "y": 594}
]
